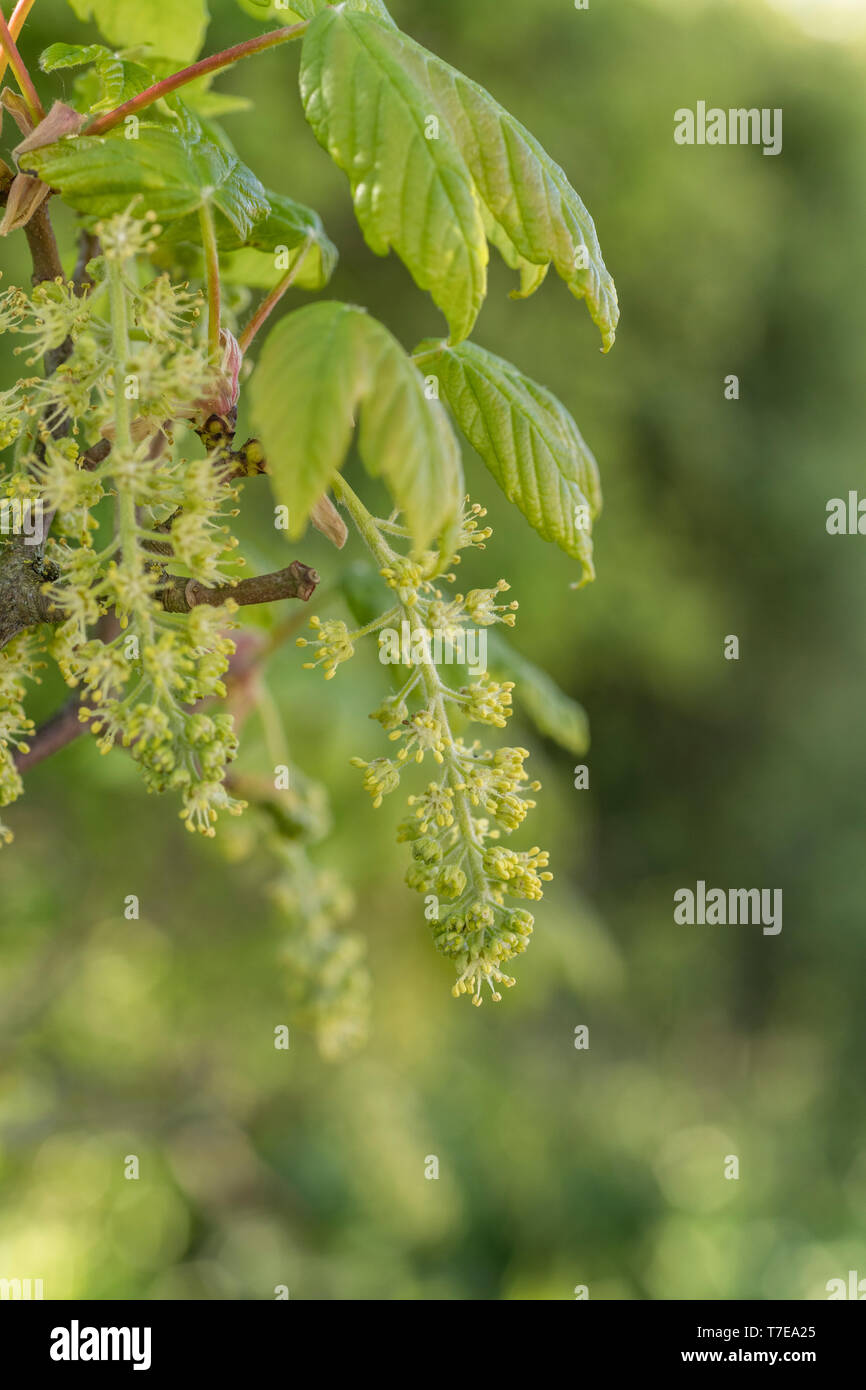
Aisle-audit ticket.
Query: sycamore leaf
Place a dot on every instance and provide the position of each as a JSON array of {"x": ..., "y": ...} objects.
[
  {"x": 290, "y": 238},
  {"x": 288, "y": 223},
  {"x": 174, "y": 28},
  {"x": 258, "y": 271},
  {"x": 79, "y": 56},
  {"x": 437, "y": 168},
  {"x": 111, "y": 79},
  {"x": 527, "y": 439},
  {"x": 100, "y": 175},
  {"x": 554, "y": 714},
  {"x": 74, "y": 55},
  {"x": 536, "y": 219},
  {"x": 322, "y": 368},
  {"x": 410, "y": 193},
  {"x": 288, "y": 234}
]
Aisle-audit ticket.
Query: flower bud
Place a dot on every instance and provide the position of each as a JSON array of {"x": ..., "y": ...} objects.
[
  {"x": 428, "y": 850},
  {"x": 451, "y": 882},
  {"x": 225, "y": 387}
]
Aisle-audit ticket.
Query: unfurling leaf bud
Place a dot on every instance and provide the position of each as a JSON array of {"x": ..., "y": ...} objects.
[{"x": 222, "y": 396}]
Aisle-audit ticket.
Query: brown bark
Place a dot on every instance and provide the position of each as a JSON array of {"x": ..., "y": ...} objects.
[{"x": 296, "y": 581}]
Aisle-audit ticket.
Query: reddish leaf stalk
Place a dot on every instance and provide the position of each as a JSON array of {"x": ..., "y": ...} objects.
[
  {"x": 212, "y": 266},
  {"x": 16, "y": 24},
  {"x": 19, "y": 67},
  {"x": 268, "y": 305},
  {"x": 214, "y": 63}
]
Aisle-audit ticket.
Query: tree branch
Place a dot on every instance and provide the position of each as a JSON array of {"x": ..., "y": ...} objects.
[
  {"x": 23, "y": 573},
  {"x": 43, "y": 247},
  {"x": 46, "y": 266},
  {"x": 23, "y": 604},
  {"x": 88, "y": 249},
  {"x": 62, "y": 728},
  {"x": 296, "y": 581},
  {"x": 23, "y": 569}
]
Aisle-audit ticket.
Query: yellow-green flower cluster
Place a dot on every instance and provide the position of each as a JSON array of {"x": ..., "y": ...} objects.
[
  {"x": 488, "y": 701},
  {"x": 136, "y": 369},
  {"x": 328, "y": 979},
  {"x": 18, "y": 666},
  {"x": 423, "y": 733},
  {"x": 329, "y": 983},
  {"x": 478, "y": 794},
  {"x": 332, "y": 646},
  {"x": 406, "y": 577},
  {"x": 14, "y": 410},
  {"x": 482, "y": 608},
  {"x": 140, "y": 694},
  {"x": 53, "y": 313}
]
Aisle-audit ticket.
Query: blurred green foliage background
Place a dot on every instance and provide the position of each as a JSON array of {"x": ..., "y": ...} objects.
[{"x": 558, "y": 1167}]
